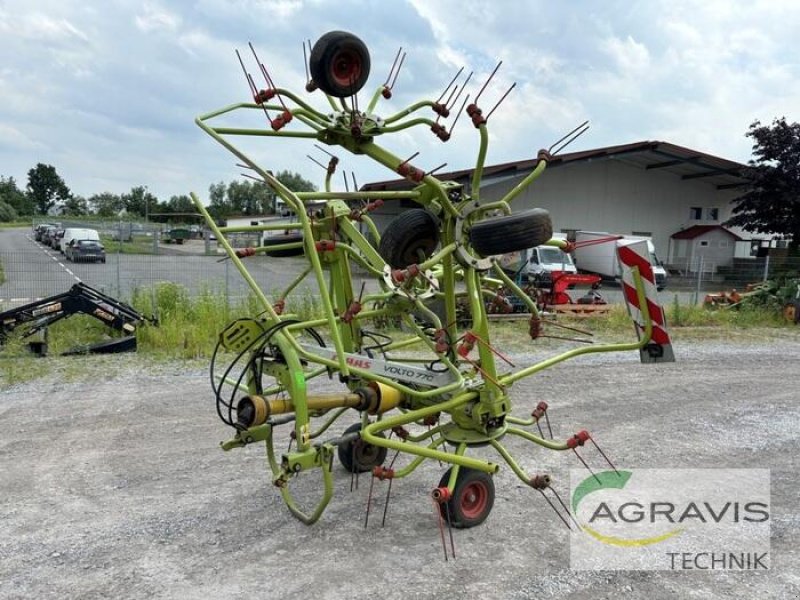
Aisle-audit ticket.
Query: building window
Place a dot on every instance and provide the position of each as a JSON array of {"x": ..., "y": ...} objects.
[
  {"x": 696, "y": 213},
  {"x": 712, "y": 214},
  {"x": 703, "y": 243},
  {"x": 646, "y": 234}
]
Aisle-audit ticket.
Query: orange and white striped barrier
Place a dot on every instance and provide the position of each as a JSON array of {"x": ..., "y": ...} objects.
[{"x": 636, "y": 255}]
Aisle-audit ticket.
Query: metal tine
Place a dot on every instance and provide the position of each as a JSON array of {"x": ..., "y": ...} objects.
[
  {"x": 314, "y": 160},
  {"x": 410, "y": 158},
  {"x": 344, "y": 176},
  {"x": 565, "y": 136},
  {"x": 250, "y": 81},
  {"x": 394, "y": 64},
  {"x": 461, "y": 90},
  {"x": 452, "y": 81},
  {"x": 438, "y": 514},
  {"x": 432, "y": 171},
  {"x": 397, "y": 73},
  {"x": 355, "y": 183},
  {"x": 574, "y": 137},
  {"x": 318, "y": 147},
  {"x": 458, "y": 114},
  {"x": 487, "y": 82},
  {"x": 450, "y": 530},
  {"x": 603, "y": 454},
  {"x": 555, "y": 510},
  {"x": 547, "y": 420},
  {"x": 513, "y": 85},
  {"x": 566, "y": 509},
  {"x": 588, "y": 468},
  {"x": 305, "y": 60},
  {"x": 266, "y": 74}
]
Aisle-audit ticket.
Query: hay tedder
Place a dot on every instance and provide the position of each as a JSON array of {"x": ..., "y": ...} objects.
[{"x": 436, "y": 383}]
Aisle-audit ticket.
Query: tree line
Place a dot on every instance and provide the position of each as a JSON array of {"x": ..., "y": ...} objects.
[{"x": 46, "y": 191}]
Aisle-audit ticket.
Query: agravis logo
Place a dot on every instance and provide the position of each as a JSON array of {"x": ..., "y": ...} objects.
[
  {"x": 676, "y": 519},
  {"x": 606, "y": 480}
]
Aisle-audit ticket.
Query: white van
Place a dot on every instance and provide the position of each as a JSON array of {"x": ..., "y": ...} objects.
[{"x": 77, "y": 234}]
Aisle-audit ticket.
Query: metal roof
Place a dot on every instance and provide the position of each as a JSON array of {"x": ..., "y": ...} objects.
[
  {"x": 682, "y": 162},
  {"x": 697, "y": 230}
]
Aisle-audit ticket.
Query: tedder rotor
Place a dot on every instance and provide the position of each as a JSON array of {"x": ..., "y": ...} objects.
[{"x": 438, "y": 382}]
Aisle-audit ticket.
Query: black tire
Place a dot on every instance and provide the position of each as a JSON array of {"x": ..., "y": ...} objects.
[
  {"x": 472, "y": 499},
  {"x": 511, "y": 232},
  {"x": 358, "y": 456},
  {"x": 409, "y": 239},
  {"x": 339, "y": 64},
  {"x": 285, "y": 238}
]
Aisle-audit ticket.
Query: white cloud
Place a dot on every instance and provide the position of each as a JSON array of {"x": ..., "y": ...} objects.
[{"x": 156, "y": 18}]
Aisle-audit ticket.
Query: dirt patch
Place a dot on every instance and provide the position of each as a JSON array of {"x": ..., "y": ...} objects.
[{"x": 113, "y": 486}]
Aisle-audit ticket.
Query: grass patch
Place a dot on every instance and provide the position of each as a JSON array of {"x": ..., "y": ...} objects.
[
  {"x": 189, "y": 328},
  {"x": 139, "y": 244},
  {"x": 2, "y": 273}
]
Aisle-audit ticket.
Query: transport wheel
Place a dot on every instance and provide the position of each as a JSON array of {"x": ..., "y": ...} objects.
[
  {"x": 357, "y": 456},
  {"x": 472, "y": 499},
  {"x": 284, "y": 238},
  {"x": 339, "y": 64},
  {"x": 409, "y": 239},
  {"x": 511, "y": 233}
]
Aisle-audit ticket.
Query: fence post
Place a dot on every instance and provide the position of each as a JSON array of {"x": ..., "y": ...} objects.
[
  {"x": 227, "y": 290},
  {"x": 766, "y": 267},
  {"x": 700, "y": 266}
]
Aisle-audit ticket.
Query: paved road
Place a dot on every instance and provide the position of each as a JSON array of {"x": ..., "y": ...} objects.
[{"x": 36, "y": 271}]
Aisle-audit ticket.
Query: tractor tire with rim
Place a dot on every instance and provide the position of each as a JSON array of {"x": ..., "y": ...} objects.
[
  {"x": 472, "y": 499},
  {"x": 409, "y": 239},
  {"x": 285, "y": 238},
  {"x": 339, "y": 64},
  {"x": 511, "y": 232},
  {"x": 357, "y": 456}
]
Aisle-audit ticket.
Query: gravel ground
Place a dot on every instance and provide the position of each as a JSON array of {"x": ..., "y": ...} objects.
[{"x": 112, "y": 486}]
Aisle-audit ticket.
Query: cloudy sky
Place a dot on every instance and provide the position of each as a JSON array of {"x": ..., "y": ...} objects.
[{"x": 107, "y": 91}]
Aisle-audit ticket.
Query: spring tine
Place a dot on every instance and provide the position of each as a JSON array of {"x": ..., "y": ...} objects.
[
  {"x": 305, "y": 61},
  {"x": 541, "y": 433},
  {"x": 355, "y": 183},
  {"x": 432, "y": 171},
  {"x": 394, "y": 64},
  {"x": 410, "y": 158},
  {"x": 458, "y": 114},
  {"x": 314, "y": 160},
  {"x": 560, "y": 516},
  {"x": 557, "y": 142},
  {"x": 572, "y": 139},
  {"x": 513, "y": 85},
  {"x": 253, "y": 89},
  {"x": 580, "y": 458},
  {"x": 450, "y": 530},
  {"x": 344, "y": 176},
  {"x": 441, "y": 527},
  {"x": 566, "y": 510},
  {"x": 397, "y": 73},
  {"x": 487, "y": 82},
  {"x": 547, "y": 420},
  {"x": 461, "y": 91},
  {"x": 369, "y": 501},
  {"x": 386, "y": 505},
  {"x": 603, "y": 454},
  {"x": 452, "y": 81}
]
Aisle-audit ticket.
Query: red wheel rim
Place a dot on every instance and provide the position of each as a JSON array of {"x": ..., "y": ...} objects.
[
  {"x": 474, "y": 499},
  {"x": 346, "y": 67}
]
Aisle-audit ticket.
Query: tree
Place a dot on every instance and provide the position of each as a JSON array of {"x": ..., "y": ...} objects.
[
  {"x": 106, "y": 204},
  {"x": 45, "y": 188},
  {"x": 180, "y": 204},
  {"x": 14, "y": 197},
  {"x": 76, "y": 206},
  {"x": 771, "y": 203},
  {"x": 139, "y": 201}
]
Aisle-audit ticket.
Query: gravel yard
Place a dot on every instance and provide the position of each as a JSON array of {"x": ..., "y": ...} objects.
[{"x": 112, "y": 486}]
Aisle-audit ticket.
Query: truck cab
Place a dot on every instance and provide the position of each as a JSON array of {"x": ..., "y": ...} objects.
[{"x": 542, "y": 261}]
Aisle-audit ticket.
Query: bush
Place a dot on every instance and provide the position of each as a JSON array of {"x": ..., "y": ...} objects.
[{"x": 7, "y": 213}]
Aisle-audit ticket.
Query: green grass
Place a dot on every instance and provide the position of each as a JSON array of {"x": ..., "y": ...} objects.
[
  {"x": 2, "y": 273},
  {"x": 189, "y": 328},
  {"x": 139, "y": 244}
]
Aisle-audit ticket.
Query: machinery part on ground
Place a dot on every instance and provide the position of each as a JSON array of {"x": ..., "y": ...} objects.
[
  {"x": 80, "y": 299},
  {"x": 289, "y": 237},
  {"x": 339, "y": 64},
  {"x": 471, "y": 499},
  {"x": 356, "y": 455},
  {"x": 409, "y": 239},
  {"x": 511, "y": 233}
]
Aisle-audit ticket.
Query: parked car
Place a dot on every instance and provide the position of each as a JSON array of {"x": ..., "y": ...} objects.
[
  {"x": 85, "y": 251},
  {"x": 77, "y": 233},
  {"x": 53, "y": 237},
  {"x": 40, "y": 230}
]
